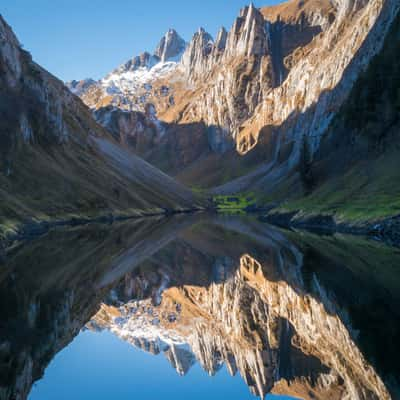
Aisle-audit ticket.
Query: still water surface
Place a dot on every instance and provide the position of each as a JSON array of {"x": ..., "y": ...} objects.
[
  {"x": 101, "y": 366},
  {"x": 199, "y": 307}
]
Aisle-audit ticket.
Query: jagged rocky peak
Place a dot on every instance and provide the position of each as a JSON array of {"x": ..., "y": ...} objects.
[
  {"x": 181, "y": 359},
  {"x": 144, "y": 60},
  {"x": 248, "y": 35},
  {"x": 202, "y": 41},
  {"x": 170, "y": 47},
  {"x": 130, "y": 86},
  {"x": 195, "y": 57}
]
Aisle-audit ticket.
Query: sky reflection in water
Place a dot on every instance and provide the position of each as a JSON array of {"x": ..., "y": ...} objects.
[{"x": 101, "y": 366}]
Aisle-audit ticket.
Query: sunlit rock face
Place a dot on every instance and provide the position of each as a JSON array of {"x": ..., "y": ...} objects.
[
  {"x": 278, "y": 74},
  {"x": 293, "y": 62},
  {"x": 138, "y": 82},
  {"x": 252, "y": 314}
]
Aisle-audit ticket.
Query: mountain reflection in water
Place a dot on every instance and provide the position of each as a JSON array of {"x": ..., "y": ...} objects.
[{"x": 291, "y": 313}]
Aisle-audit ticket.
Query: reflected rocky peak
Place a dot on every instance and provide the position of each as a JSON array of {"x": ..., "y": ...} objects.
[
  {"x": 255, "y": 315},
  {"x": 279, "y": 309}
]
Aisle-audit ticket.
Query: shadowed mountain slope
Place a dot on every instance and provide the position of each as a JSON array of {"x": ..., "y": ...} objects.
[{"x": 56, "y": 162}]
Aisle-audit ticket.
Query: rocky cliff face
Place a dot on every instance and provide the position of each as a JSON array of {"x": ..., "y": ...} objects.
[
  {"x": 279, "y": 74},
  {"x": 363, "y": 136},
  {"x": 270, "y": 75},
  {"x": 135, "y": 130}
]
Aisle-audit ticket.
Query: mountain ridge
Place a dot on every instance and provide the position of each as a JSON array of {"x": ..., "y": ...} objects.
[
  {"x": 57, "y": 162},
  {"x": 249, "y": 97},
  {"x": 238, "y": 113}
]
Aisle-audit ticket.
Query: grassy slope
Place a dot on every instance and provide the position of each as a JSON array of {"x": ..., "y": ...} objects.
[
  {"x": 368, "y": 191},
  {"x": 66, "y": 181}
]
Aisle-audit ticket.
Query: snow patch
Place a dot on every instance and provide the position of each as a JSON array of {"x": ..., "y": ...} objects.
[{"x": 130, "y": 82}]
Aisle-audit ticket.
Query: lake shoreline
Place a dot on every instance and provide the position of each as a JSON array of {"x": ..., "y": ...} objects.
[
  {"x": 32, "y": 230},
  {"x": 386, "y": 230}
]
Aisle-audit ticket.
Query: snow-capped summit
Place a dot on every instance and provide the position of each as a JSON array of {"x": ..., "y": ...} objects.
[{"x": 130, "y": 86}]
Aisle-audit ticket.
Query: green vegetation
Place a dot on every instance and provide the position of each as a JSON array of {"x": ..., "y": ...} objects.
[
  {"x": 237, "y": 204},
  {"x": 369, "y": 191}
]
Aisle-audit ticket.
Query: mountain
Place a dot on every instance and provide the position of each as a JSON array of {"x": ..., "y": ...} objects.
[
  {"x": 57, "y": 162},
  {"x": 237, "y": 112},
  {"x": 280, "y": 73},
  {"x": 170, "y": 47}
]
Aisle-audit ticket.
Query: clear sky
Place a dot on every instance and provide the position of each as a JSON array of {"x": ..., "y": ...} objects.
[{"x": 76, "y": 39}]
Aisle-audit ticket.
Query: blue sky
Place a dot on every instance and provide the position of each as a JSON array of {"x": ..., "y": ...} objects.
[{"x": 76, "y": 39}]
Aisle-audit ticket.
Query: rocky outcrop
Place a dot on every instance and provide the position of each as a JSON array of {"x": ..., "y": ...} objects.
[
  {"x": 249, "y": 35},
  {"x": 237, "y": 67},
  {"x": 196, "y": 55}
]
